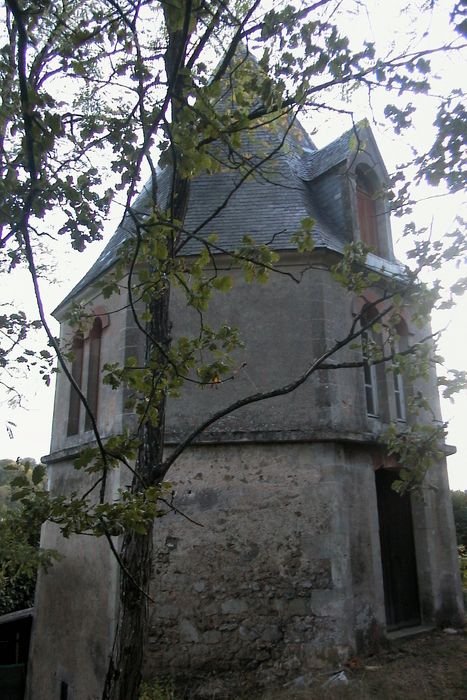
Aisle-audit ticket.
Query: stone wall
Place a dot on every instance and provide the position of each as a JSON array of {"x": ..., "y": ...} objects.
[
  {"x": 270, "y": 569},
  {"x": 74, "y": 609},
  {"x": 280, "y": 571}
]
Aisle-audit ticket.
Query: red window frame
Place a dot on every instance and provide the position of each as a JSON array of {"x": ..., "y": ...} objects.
[{"x": 367, "y": 219}]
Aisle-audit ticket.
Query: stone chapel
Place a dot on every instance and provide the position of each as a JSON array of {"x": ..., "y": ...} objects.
[{"x": 303, "y": 555}]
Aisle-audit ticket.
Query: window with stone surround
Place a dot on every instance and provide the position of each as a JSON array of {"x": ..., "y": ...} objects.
[
  {"x": 374, "y": 372},
  {"x": 369, "y": 375},
  {"x": 399, "y": 344},
  {"x": 77, "y": 350},
  {"x": 85, "y": 369},
  {"x": 94, "y": 357}
]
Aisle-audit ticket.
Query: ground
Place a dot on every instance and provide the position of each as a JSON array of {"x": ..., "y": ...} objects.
[
  {"x": 430, "y": 666},
  {"x": 426, "y": 667}
]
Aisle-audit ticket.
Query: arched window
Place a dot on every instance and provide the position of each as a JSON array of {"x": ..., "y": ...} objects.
[
  {"x": 86, "y": 355},
  {"x": 76, "y": 372},
  {"x": 367, "y": 187},
  {"x": 92, "y": 393}
]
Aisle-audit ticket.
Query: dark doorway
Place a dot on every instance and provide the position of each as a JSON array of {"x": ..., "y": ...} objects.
[{"x": 397, "y": 554}]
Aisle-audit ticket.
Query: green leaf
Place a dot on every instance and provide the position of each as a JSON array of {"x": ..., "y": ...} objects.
[
  {"x": 223, "y": 283},
  {"x": 38, "y": 474}
]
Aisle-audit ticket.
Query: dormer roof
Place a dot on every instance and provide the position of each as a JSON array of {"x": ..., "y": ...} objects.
[{"x": 343, "y": 150}]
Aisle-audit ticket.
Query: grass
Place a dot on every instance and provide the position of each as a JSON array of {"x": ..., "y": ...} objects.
[{"x": 158, "y": 690}]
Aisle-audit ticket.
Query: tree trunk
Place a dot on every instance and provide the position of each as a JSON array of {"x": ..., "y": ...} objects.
[{"x": 124, "y": 671}]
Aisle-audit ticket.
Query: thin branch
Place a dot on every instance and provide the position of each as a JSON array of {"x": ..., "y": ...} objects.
[
  {"x": 176, "y": 510},
  {"x": 229, "y": 54},
  {"x": 125, "y": 570},
  {"x": 295, "y": 17},
  {"x": 384, "y": 358},
  {"x": 23, "y": 225}
]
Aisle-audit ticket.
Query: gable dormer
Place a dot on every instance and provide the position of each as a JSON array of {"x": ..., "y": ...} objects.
[
  {"x": 368, "y": 182},
  {"x": 347, "y": 182}
]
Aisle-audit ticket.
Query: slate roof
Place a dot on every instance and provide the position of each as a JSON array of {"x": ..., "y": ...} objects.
[
  {"x": 315, "y": 163},
  {"x": 268, "y": 206}
]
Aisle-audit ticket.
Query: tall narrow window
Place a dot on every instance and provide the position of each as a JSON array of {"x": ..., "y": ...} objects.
[
  {"x": 92, "y": 393},
  {"x": 399, "y": 396},
  {"x": 398, "y": 386},
  {"x": 366, "y": 208},
  {"x": 399, "y": 392},
  {"x": 369, "y": 374},
  {"x": 76, "y": 372},
  {"x": 86, "y": 352}
]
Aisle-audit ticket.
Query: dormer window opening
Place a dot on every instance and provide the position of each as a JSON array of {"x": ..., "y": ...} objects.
[{"x": 366, "y": 207}]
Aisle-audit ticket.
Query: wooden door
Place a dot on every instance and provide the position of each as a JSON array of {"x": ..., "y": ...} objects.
[{"x": 397, "y": 554}]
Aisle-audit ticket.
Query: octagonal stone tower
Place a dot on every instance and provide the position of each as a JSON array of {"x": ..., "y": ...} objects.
[{"x": 295, "y": 552}]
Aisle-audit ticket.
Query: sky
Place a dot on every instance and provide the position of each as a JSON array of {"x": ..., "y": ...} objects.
[{"x": 31, "y": 432}]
